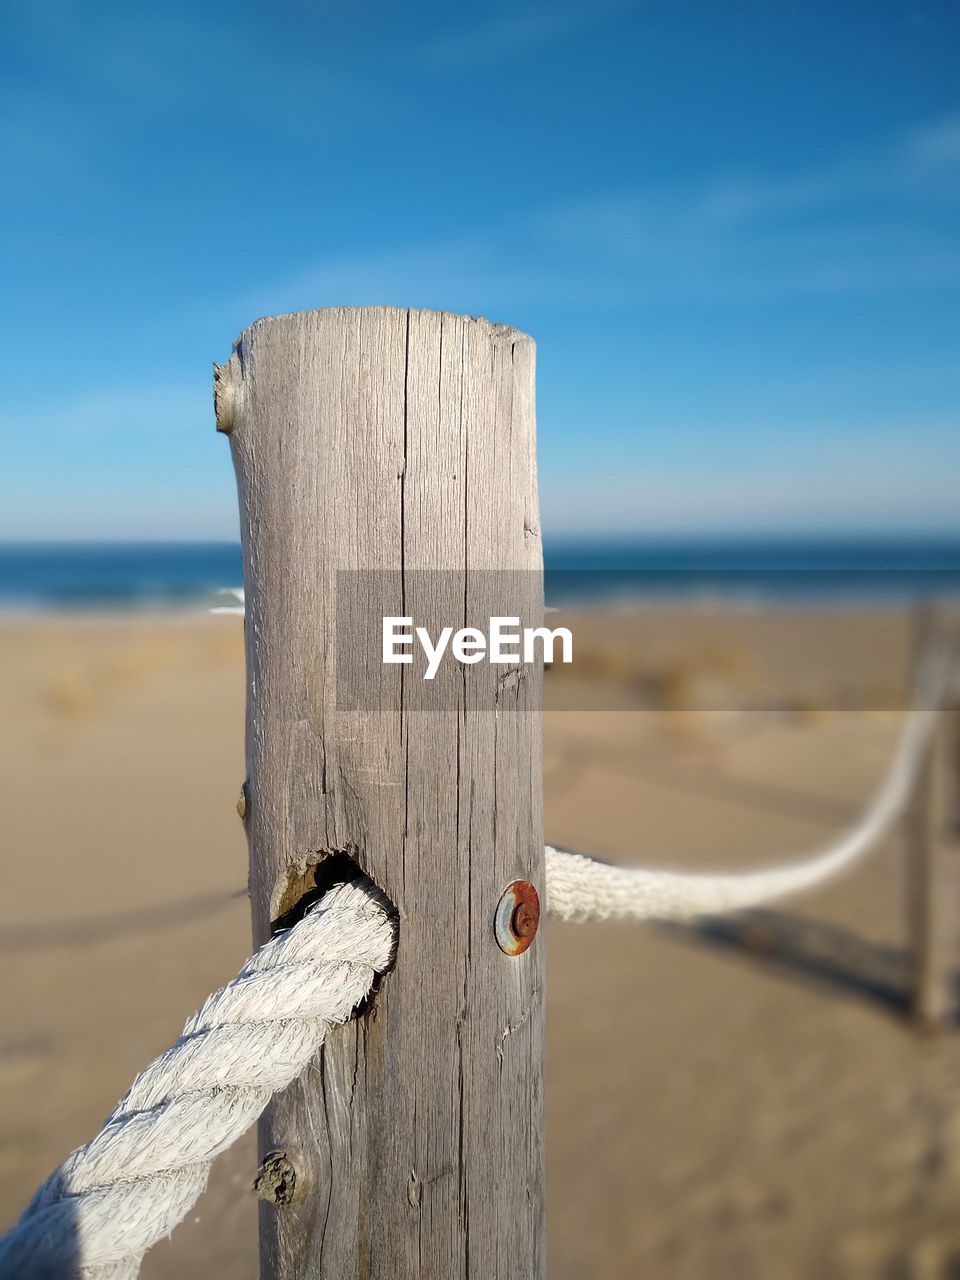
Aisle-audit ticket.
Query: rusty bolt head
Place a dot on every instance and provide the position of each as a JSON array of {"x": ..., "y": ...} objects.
[{"x": 517, "y": 918}]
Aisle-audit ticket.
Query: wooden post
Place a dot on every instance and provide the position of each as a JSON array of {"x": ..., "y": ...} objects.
[
  {"x": 931, "y": 863},
  {"x": 402, "y": 443}
]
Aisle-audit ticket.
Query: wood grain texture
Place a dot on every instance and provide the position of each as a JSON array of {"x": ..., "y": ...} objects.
[
  {"x": 932, "y": 851},
  {"x": 386, "y": 439},
  {"x": 928, "y": 940}
]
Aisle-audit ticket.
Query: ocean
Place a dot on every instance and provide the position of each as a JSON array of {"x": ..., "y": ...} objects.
[{"x": 144, "y": 576}]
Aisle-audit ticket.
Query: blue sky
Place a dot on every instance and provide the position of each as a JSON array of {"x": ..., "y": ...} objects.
[{"x": 733, "y": 229}]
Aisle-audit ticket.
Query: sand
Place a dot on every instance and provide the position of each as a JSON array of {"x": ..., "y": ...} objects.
[{"x": 749, "y": 1104}]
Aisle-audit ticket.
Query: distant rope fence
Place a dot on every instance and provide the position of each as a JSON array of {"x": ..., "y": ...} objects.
[
  {"x": 581, "y": 888},
  {"x": 112, "y": 1199}
]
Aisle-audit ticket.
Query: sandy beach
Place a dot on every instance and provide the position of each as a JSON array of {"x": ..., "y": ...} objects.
[{"x": 738, "y": 1103}]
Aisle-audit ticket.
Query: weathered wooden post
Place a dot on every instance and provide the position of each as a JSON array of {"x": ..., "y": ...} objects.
[
  {"x": 381, "y": 455},
  {"x": 932, "y": 854}
]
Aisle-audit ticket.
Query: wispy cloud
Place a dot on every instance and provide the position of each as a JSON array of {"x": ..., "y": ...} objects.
[
  {"x": 937, "y": 143},
  {"x": 130, "y": 460},
  {"x": 516, "y": 31},
  {"x": 91, "y": 79},
  {"x": 108, "y": 411},
  {"x": 882, "y": 221},
  {"x": 471, "y": 272}
]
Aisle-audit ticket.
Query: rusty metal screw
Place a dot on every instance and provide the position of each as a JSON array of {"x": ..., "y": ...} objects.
[{"x": 517, "y": 918}]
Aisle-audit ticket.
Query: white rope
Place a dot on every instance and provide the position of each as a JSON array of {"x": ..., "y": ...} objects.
[
  {"x": 98, "y": 1214},
  {"x": 580, "y": 888},
  {"x": 112, "y": 1199}
]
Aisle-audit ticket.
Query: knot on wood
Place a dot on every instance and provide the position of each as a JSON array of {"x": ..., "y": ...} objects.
[
  {"x": 223, "y": 398},
  {"x": 276, "y": 1180}
]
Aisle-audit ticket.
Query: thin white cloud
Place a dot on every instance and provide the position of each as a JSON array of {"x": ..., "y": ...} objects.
[
  {"x": 882, "y": 222},
  {"x": 864, "y": 224},
  {"x": 515, "y": 31},
  {"x": 96, "y": 77},
  {"x": 936, "y": 143},
  {"x": 140, "y": 460},
  {"x": 103, "y": 412},
  {"x": 473, "y": 273}
]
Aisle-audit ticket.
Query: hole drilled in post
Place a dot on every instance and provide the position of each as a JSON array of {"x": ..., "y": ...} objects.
[{"x": 307, "y": 884}]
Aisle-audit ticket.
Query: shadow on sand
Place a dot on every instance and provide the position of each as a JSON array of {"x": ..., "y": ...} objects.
[{"x": 815, "y": 953}]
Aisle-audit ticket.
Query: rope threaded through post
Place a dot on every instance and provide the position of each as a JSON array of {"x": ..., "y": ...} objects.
[{"x": 113, "y": 1198}]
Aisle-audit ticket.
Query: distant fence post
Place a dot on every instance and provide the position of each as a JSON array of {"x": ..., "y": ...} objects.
[
  {"x": 402, "y": 441},
  {"x": 932, "y": 855}
]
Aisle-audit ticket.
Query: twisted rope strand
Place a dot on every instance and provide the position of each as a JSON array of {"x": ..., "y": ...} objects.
[{"x": 112, "y": 1199}]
